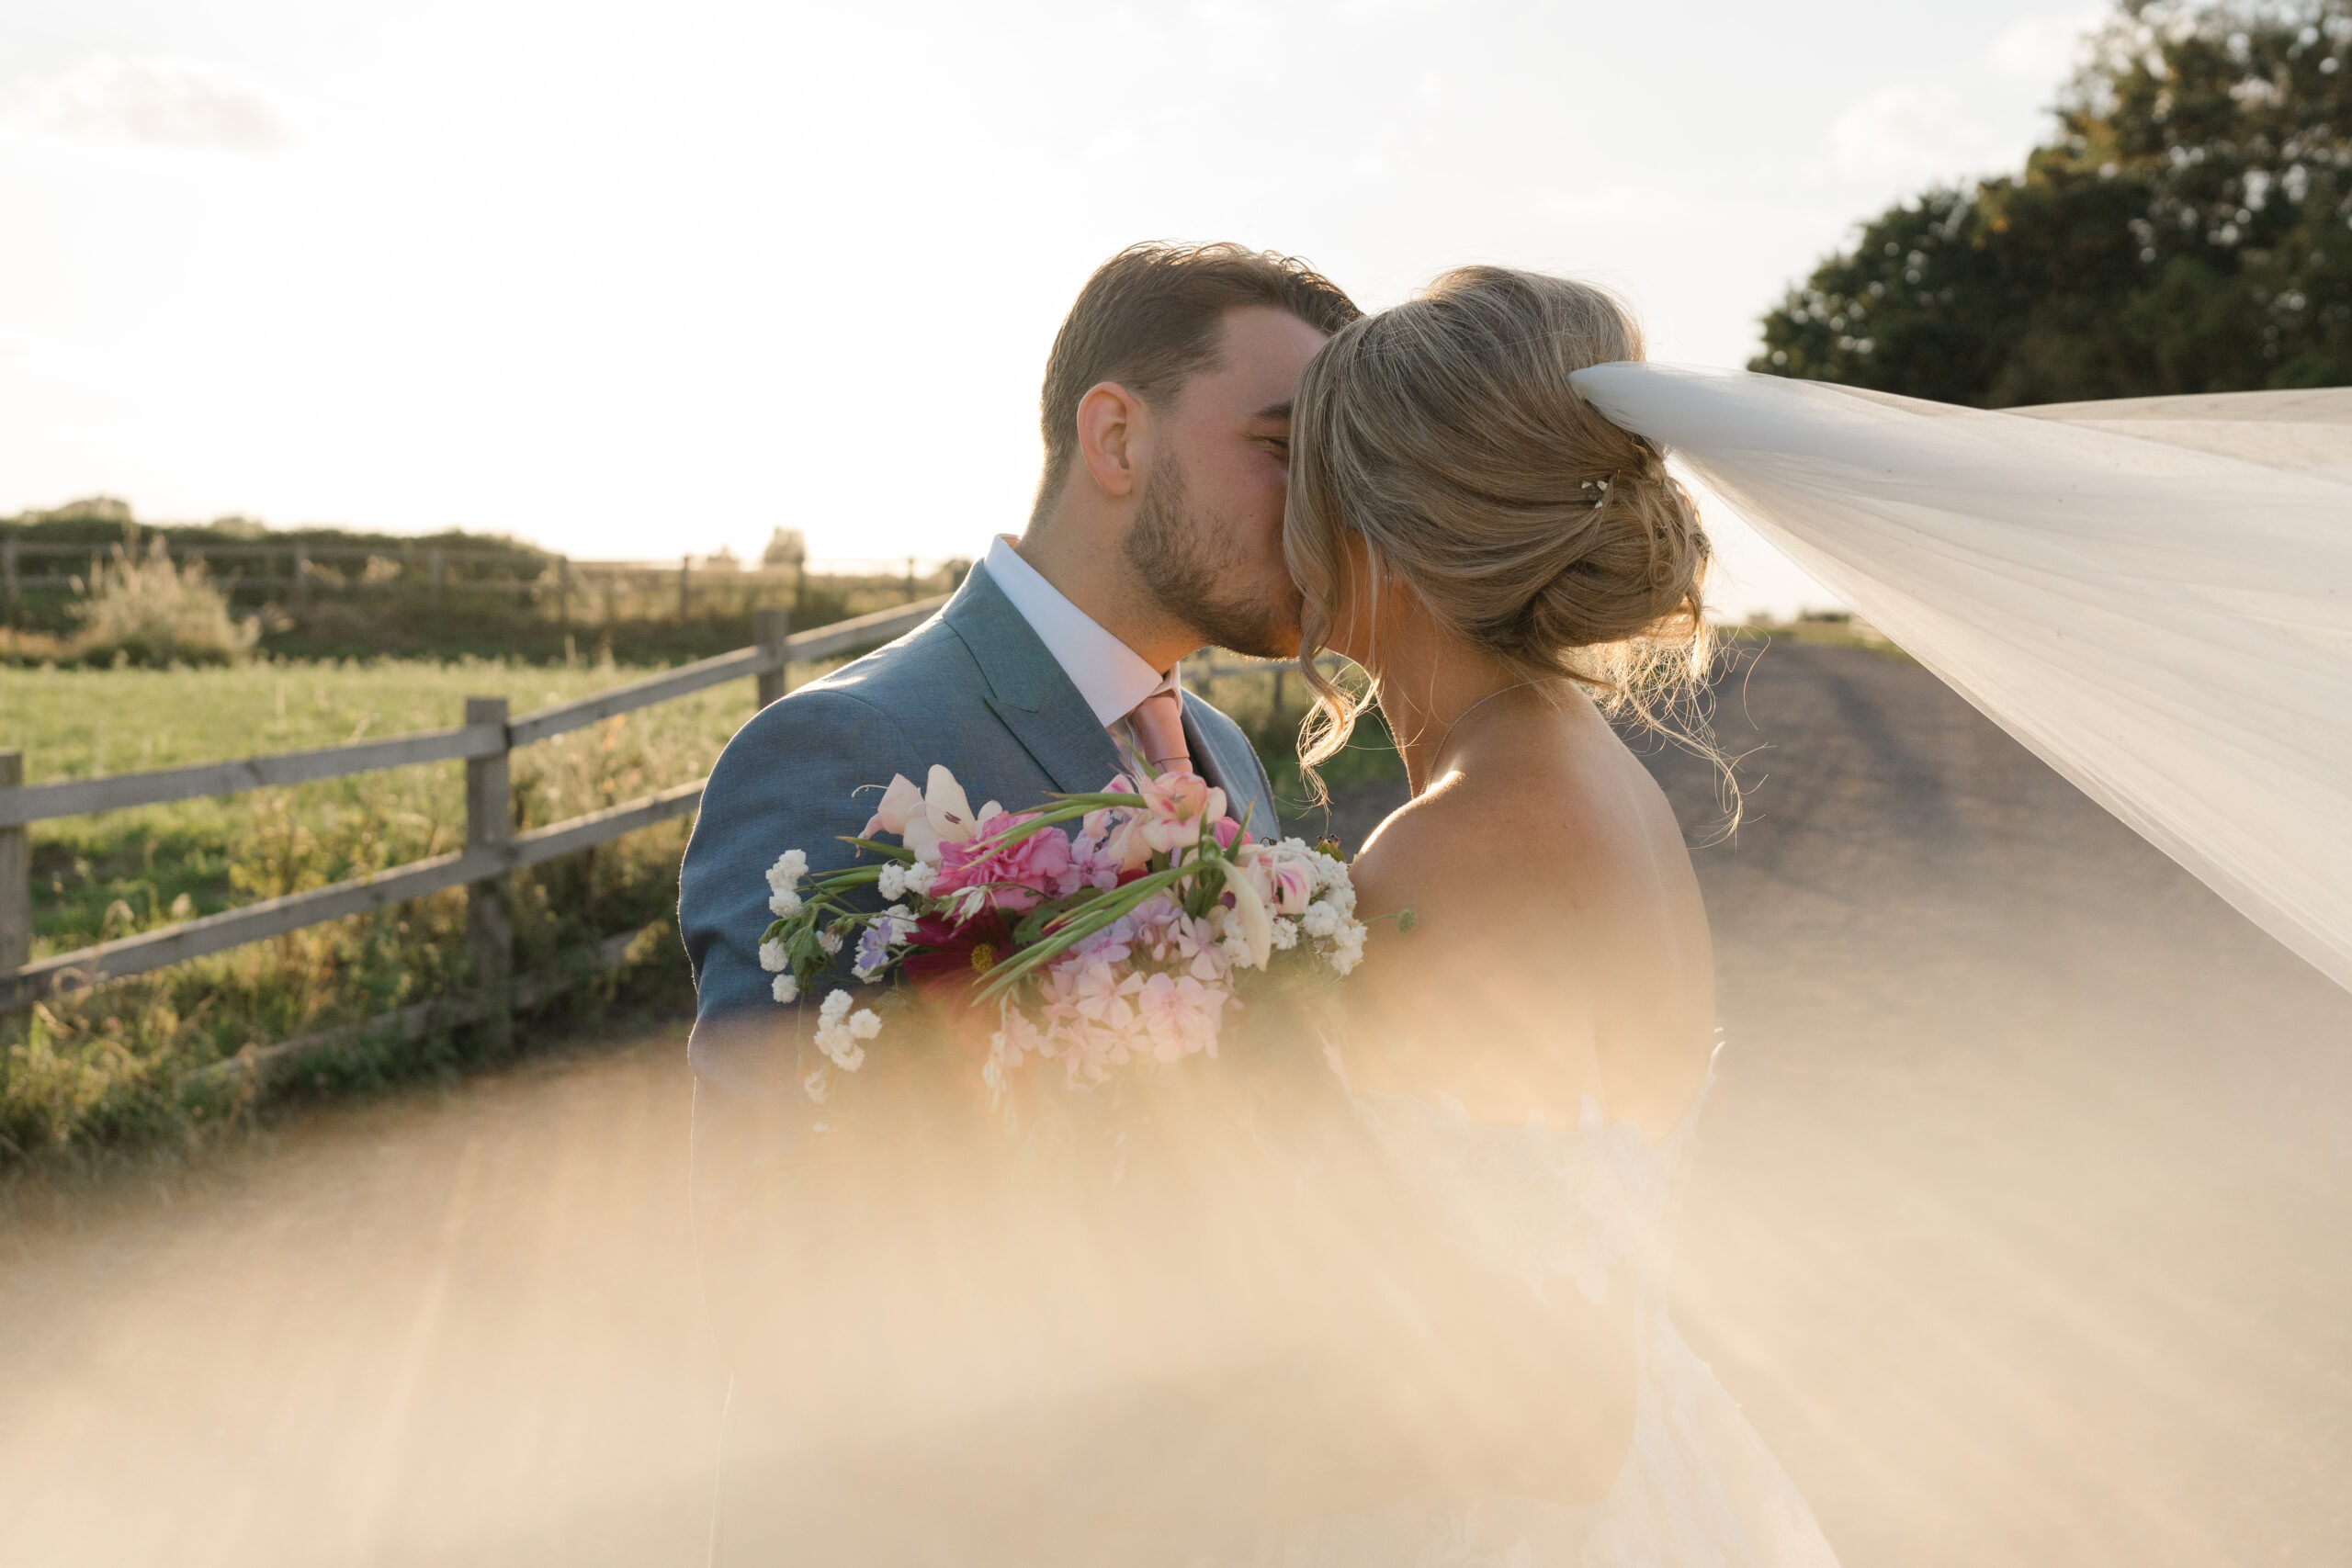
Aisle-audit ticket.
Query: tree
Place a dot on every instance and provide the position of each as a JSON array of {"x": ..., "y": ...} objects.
[
  {"x": 785, "y": 547},
  {"x": 2188, "y": 229}
]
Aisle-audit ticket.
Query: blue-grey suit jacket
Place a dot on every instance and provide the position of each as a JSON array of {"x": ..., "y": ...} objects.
[{"x": 974, "y": 689}]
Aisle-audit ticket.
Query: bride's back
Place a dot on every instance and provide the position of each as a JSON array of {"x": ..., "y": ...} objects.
[
  {"x": 1559, "y": 948},
  {"x": 1497, "y": 553}
]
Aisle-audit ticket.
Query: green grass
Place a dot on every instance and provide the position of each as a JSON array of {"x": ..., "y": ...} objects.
[{"x": 111, "y": 1065}]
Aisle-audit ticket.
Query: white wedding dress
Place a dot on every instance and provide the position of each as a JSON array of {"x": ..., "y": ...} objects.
[{"x": 1579, "y": 1208}]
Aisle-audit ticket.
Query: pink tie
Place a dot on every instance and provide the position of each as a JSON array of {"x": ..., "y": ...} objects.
[{"x": 1158, "y": 722}]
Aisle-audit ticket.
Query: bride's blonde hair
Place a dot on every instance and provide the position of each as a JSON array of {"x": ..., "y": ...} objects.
[{"x": 1445, "y": 433}]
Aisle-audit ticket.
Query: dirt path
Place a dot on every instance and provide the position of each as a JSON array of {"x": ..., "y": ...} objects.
[{"x": 2021, "y": 1227}]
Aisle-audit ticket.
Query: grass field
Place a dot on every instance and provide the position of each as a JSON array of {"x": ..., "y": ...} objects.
[{"x": 112, "y": 1066}]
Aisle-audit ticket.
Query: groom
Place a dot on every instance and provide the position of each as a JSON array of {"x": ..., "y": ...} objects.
[{"x": 1156, "y": 530}]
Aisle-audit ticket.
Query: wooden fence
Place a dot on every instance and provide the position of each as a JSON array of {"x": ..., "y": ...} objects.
[{"x": 493, "y": 848}]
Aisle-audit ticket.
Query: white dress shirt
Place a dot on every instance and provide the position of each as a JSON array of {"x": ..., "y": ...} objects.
[{"x": 1110, "y": 675}]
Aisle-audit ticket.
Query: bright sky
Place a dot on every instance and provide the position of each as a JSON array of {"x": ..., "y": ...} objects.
[{"x": 637, "y": 280}]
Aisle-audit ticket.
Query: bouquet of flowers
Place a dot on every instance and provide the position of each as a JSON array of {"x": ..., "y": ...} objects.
[{"x": 1098, "y": 931}]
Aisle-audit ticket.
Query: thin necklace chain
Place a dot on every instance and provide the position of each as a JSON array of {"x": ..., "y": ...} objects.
[{"x": 1439, "y": 750}]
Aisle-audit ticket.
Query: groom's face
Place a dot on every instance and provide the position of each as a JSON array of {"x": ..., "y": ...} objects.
[{"x": 1207, "y": 539}]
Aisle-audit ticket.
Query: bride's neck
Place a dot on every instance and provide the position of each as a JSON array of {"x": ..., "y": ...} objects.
[{"x": 1428, "y": 684}]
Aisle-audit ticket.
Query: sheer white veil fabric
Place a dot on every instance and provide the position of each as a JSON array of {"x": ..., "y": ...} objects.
[{"x": 2153, "y": 594}]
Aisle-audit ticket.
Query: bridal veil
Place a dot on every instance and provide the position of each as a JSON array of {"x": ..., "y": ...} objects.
[{"x": 2153, "y": 594}]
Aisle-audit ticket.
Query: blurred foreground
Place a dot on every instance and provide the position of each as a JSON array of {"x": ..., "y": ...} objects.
[{"x": 2018, "y": 1226}]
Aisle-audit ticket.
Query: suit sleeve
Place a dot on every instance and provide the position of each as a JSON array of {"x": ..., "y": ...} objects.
[{"x": 788, "y": 780}]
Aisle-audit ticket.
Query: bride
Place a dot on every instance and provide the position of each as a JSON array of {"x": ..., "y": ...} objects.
[{"x": 1510, "y": 568}]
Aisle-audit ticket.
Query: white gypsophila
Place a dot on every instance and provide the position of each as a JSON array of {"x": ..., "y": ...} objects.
[
  {"x": 840, "y": 1048},
  {"x": 814, "y": 1086},
  {"x": 900, "y": 925},
  {"x": 919, "y": 877},
  {"x": 786, "y": 989},
  {"x": 1285, "y": 933},
  {"x": 773, "y": 956},
  {"x": 788, "y": 871},
  {"x": 831, "y": 942},
  {"x": 838, "y": 1031},
  {"x": 893, "y": 882},
  {"x": 784, "y": 905},
  {"x": 1322, "y": 920},
  {"x": 1347, "y": 948}
]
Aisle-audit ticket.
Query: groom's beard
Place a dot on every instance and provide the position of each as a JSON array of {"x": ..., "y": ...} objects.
[{"x": 1177, "y": 558}]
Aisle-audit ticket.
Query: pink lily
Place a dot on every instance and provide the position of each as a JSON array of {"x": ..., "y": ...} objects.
[
  {"x": 1179, "y": 805},
  {"x": 940, "y": 813}
]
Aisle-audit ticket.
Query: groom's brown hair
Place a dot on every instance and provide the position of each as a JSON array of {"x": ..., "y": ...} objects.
[{"x": 1148, "y": 318}]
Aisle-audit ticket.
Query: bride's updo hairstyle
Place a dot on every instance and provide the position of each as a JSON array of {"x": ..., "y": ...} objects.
[{"x": 1444, "y": 435}]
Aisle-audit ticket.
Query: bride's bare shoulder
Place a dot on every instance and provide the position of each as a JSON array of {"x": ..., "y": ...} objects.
[{"x": 1472, "y": 837}]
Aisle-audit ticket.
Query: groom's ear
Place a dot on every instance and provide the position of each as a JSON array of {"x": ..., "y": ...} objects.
[{"x": 1108, "y": 423}]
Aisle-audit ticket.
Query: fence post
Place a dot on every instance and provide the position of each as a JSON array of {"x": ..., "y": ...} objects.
[
  {"x": 302, "y": 574},
  {"x": 563, "y": 589},
  {"x": 769, "y": 628},
  {"x": 490, "y": 823},
  {"x": 8, "y": 565},
  {"x": 434, "y": 562},
  {"x": 16, "y": 874},
  {"x": 686, "y": 573}
]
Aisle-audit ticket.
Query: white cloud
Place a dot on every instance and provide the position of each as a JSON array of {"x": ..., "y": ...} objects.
[
  {"x": 1906, "y": 129},
  {"x": 2043, "y": 49},
  {"x": 180, "y": 104}
]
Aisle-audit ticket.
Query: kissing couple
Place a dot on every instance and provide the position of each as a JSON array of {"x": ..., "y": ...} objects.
[{"x": 935, "y": 1362}]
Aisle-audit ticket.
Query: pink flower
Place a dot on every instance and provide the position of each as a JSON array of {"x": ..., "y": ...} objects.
[
  {"x": 1178, "y": 1015},
  {"x": 1119, "y": 832},
  {"x": 1017, "y": 876},
  {"x": 939, "y": 814},
  {"x": 1178, "y": 807},
  {"x": 1228, "y": 831},
  {"x": 1091, "y": 863},
  {"x": 1102, "y": 995},
  {"x": 1194, "y": 944},
  {"x": 1284, "y": 880}
]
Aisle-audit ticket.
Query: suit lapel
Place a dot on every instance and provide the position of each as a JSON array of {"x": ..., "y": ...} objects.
[
  {"x": 1234, "y": 769},
  {"x": 1028, "y": 691}
]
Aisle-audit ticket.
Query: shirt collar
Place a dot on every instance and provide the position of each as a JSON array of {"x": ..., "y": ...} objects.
[{"x": 1110, "y": 675}]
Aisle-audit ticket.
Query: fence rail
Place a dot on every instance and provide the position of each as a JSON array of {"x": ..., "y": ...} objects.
[{"x": 492, "y": 847}]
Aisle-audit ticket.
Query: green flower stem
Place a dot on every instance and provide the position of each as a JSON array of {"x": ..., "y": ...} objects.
[
  {"x": 1095, "y": 916},
  {"x": 1073, "y": 808},
  {"x": 899, "y": 853}
]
